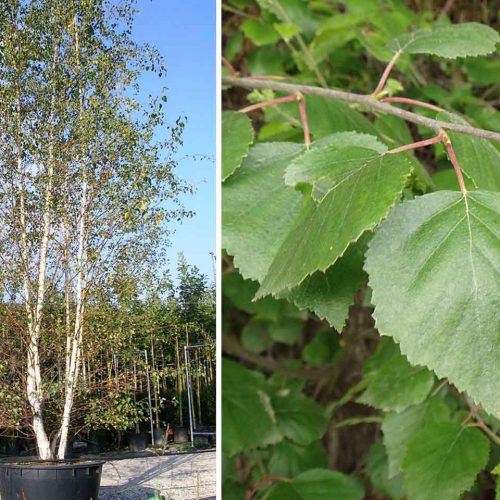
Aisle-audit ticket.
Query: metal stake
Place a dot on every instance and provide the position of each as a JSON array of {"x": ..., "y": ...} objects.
[
  {"x": 149, "y": 398},
  {"x": 188, "y": 383}
]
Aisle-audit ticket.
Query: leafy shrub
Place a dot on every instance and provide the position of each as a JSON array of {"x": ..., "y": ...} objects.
[{"x": 381, "y": 223}]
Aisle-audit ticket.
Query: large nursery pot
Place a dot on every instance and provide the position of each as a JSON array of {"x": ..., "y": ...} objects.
[
  {"x": 160, "y": 436},
  {"x": 38, "y": 480},
  {"x": 180, "y": 435},
  {"x": 137, "y": 442}
]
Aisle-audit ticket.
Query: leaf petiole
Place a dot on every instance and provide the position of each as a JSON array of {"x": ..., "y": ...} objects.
[
  {"x": 414, "y": 102},
  {"x": 385, "y": 74},
  {"x": 415, "y": 145},
  {"x": 271, "y": 102}
]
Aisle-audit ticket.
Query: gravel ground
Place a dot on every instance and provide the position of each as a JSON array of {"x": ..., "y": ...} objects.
[{"x": 184, "y": 477}]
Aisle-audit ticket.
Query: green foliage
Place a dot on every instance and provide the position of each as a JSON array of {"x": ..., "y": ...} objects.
[
  {"x": 316, "y": 484},
  {"x": 241, "y": 390},
  {"x": 478, "y": 158},
  {"x": 413, "y": 258},
  {"x": 459, "y": 40},
  {"x": 247, "y": 234},
  {"x": 394, "y": 384},
  {"x": 386, "y": 368},
  {"x": 237, "y": 126},
  {"x": 442, "y": 460}
]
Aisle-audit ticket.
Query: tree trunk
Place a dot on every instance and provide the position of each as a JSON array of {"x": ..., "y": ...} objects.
[{"x": 35, "y": 313}]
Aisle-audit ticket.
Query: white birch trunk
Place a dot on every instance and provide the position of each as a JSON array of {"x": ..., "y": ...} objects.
[
  {"x": 34, "y": 378},
  {"x": 74, "y": 341},
  {"x": 71, "y": 377}
]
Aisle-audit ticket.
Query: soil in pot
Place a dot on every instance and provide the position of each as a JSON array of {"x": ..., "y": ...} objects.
[
  {"x": 137, "y": 442},
  {"x": 37, "y": 480}
]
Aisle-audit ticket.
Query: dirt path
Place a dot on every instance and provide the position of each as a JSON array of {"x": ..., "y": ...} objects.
[{"x": 183, "y": 477}]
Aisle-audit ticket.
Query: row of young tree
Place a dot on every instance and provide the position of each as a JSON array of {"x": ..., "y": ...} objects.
[
  {"x": 133, "y": 339},
  {"x": 88, "y": 196}
]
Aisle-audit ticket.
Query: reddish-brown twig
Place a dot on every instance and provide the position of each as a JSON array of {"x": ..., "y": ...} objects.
[
  {"x": 271, "y": 102},
  {"x": 261, "y": 482},
  {"x": 413, "y": 102},
  {"x": 385, "y": 74},
  {"x": 453, "y": 158},
  {"x": 229, "y": 66},
  {"x": 415, "y": 145},
  {"x": 480, "y": 423},
  {"x": 303, "y": 118}
]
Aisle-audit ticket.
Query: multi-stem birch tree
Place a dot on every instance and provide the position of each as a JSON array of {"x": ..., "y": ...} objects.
[{"x": 87, "y": 179}]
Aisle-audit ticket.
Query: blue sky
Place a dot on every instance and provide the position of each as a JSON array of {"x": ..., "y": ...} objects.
[{"x": 184, "y": 33}]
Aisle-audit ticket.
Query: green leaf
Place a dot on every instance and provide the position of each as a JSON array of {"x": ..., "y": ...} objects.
[
  {"x": 237, "y": 135},
  {"x": 496, "y": 471},
  {"x": 241, "y": 292},
  {"x": 259, "y": 32},
  {"x": 299, "y": 418},
  {"x": 318, "y": 484},
  {"x": 478, "y": 158},
  {"x": 243, "y": 389},
  {"x": 330, "y": 165},
  {"x": 255, "y": 336},
  {"x": 393, "y": 130},
  {"x": 378, "y": 472},
  {"x": 398, "y": 428},
  {"x": 456, "y": 40},
  {"x": 361, "y": 194},
  {"x": 287, "y": 30},
  {"x": 394, "y": 384},
  {"x": 446, "y": 180},
  {"x": 326, "y": 116},
  {"x": 322, "y": 349},
  {"x": 434, "y": 267},
  {"x": 290, "y": 459},
  {"x": 258, "y": 208},
  {"x": 287, "y": 330},
  {"x": 442, "y": 461},
  {"x": 330, "y": 294}
]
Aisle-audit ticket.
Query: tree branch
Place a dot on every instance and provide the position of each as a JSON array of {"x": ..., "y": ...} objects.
[{"x": 365, "y": 100}]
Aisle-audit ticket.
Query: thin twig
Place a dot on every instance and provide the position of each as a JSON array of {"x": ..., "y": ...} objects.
[
  {"x": 358, "y": 421},
  {"x": 365, "y": 100},
  {"x": 229, "y": 66},
  {"x": 265, "y": 77},
  {"x": 303, "y": 118},
  {"x": 439, "y": 387},
  {"x": 271, "y": 102},
  {"x": 232, "y": 347},
  {"x": 385, "y": 74},
  {"x": 414, "y": 102},
  {"x": 454, "y": 161},
  {"x": 480, "y": 423},
  {"x": 238, "y": 12},
  {"x": 415, "y": 145},
  {"x": 262, "y": 481}
]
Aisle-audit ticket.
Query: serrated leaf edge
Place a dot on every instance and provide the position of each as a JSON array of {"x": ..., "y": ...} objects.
[
  {"x": 438, "y": 372},
  {"x": 371, "y": 229}
]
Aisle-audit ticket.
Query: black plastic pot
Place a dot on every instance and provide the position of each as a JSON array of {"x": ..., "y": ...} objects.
[
  {"x": 160, "y": 436},
  {"x": 137, "y": 442},
  {"x": 36, "y": 480},
  {"x": 10, "y": 446},
  {"x": 180, "y": 435}
]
